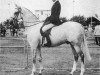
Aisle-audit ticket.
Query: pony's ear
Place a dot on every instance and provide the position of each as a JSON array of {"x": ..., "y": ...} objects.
[{"x": 17, "y": 6}]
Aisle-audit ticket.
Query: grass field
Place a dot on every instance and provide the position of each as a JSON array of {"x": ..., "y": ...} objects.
[{"x": 56, "y": 61}]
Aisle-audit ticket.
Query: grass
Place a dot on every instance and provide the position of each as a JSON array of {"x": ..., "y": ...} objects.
[{"x": 14, "y": 60}]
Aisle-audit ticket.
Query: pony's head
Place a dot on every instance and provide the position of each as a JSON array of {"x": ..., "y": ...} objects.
[{"x": 28, "y": 19}]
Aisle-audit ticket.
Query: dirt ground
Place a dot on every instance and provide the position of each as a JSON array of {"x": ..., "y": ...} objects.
[{"x": 56, "y": 61}]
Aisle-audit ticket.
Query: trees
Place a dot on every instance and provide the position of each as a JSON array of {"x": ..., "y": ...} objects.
[
  {"x": 94, "y": 21},
  {"x": 79, "y": 19},
  {"x": 86, "y": 21}
]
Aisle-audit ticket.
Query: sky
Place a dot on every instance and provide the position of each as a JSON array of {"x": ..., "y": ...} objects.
[{"x": 68, "y": 7}]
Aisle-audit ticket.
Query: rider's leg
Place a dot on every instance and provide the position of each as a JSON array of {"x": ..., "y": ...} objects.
[{"x": 47, "y": 27}]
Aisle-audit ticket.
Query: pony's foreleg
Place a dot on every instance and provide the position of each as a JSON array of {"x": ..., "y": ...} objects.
[
  {"x": 40, "y": 60},
  {"x": 75, "y": 58},
  {"x": 82, "y": 63},
  {"x": 34, "y": 52}
]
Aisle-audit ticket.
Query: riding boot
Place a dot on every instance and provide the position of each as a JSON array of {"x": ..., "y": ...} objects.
[{"x": 48, "y": 44}]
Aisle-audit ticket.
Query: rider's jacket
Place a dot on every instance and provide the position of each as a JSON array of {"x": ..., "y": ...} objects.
[{"x": 55, "y": 12}]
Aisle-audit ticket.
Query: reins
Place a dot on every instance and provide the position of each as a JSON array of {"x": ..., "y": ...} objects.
[{"x": 32, "y": 22}]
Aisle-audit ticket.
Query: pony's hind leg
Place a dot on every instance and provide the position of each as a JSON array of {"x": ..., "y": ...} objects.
[
  {"x": 82, "y": 63},
  {"x": 80, "y": 53},
  {"x": 75, "y": 58}
]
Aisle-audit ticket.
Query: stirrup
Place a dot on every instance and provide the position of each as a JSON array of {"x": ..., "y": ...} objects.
[{"x": 47, "y": 45}]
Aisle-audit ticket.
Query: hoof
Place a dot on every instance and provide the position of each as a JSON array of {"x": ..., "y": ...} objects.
[{"x": 40, "y": 73}]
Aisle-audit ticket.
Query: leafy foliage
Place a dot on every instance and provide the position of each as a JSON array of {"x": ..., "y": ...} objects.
[
  {"x": 94, "y": 21},
  {"x": 79, "y": 19}
]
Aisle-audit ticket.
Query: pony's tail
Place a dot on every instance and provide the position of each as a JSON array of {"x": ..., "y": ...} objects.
[{"x": 86, "y": 49}]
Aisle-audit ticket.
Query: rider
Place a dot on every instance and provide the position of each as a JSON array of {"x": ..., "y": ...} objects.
[{"x": 52, "y": 20}]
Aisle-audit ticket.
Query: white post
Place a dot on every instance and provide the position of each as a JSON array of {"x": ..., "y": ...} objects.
[{"x": 73, "y": 7}]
